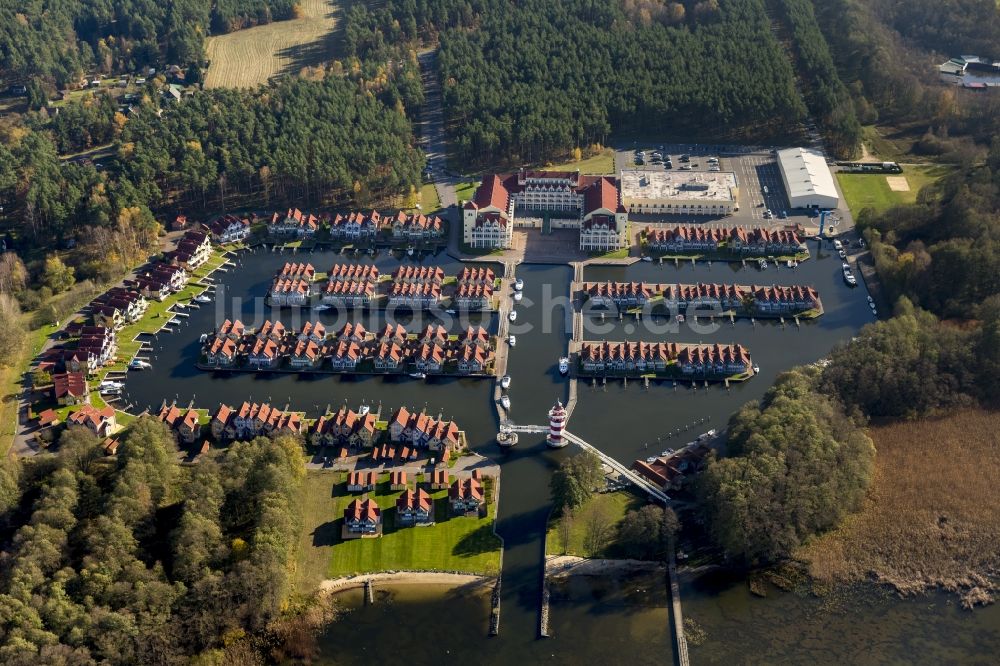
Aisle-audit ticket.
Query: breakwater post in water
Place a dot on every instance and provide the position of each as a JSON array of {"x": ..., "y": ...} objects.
[
  {"x": 369, "y": 592},
  {"x": 495, "y": 609},
  {"x": 543, "y": 624}
]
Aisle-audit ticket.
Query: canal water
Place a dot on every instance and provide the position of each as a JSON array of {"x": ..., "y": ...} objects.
[{"x": 595, "y": 621}]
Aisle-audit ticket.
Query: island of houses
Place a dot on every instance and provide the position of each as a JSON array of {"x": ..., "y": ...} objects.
[
  {"x": 666, "y": 359},
  {"x": 352, "y": 349},
  {"x": 720, "y": 299},
  {"x": 354, "y": 286}
]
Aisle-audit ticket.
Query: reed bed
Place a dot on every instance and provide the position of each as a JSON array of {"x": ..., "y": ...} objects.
[{"x": 932, "y": 516}]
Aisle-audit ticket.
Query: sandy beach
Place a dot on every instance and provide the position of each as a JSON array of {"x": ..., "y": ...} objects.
[
  {"x": 334, "y": 585},
  {"x": 558, "y": 566}
]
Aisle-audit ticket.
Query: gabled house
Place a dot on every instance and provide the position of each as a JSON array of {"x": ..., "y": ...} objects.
[
  {"x": 439, "y": 478},
  {"x": 293, "y": 223},
  {"x": 183, "y": 422},
  {"x": 465, "y": 496},
  {"x": 362, "y": 518},
  {"x": 361, "y": 482},
  {"x": 397, "y": 480},
  {"x": 101, "y": 422},
  {"x": 229, "y": 229},
  {"x": 70, "y": 388},
  {"x": 220, "y": 352},
  {"x": 414, "y": 507}
]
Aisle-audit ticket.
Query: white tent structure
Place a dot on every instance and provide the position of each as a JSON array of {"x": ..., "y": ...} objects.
[{"x": 807, "y": 179}]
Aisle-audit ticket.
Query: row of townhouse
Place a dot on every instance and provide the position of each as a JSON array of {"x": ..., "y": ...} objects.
[
  {"x": 415, "y": 295},
  {"x": 159, "y": 281},
  {"x": 253, "y": 420},
  {"x": 401, "y": 226},
  {"x": 754, "y": 240},
  {"x": 774, "y": 299},
  {"x": 343, "y": 427},
  {"x": 351, "y": 285},
  {"x": 363, "y": 516},
  {"x": 357, "y": 225},
  {"x": 424, "y": 431},
  {"x": 600, "y": 357},
  {"x": 118, "y": 306},
  {"x": 192, "y": 250},
  {"x": 293, "y": 223},
  {"x": 93, "y": 348},
  {"x": 411, "y": 274},
  {"x": 392, "y": 350}
]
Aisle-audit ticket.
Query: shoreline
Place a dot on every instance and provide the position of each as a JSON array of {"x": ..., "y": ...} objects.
[
  {"x": 451, "y": 579},
  {"x": 564, "y": 566}
]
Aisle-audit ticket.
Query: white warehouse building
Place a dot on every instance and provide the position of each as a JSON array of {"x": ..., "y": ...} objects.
[{"x": 807, "y": 179}]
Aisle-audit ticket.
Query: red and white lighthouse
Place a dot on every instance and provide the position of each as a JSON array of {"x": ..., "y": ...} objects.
[{"x": 557, "y": 423}]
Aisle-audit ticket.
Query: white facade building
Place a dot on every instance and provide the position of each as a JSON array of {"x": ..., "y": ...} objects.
[{"x": 807, "y": 179}]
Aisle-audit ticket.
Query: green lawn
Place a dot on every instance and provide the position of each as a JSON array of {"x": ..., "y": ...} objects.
[
  {"x": 615, "y": 504},
  {"x": 872, "y": 190},
  {"x": 465, "y": 191},
  {"x": 452, "y": 544},
  {"x": 601, "y": 163},
  {"x": 429, "y": 201}
]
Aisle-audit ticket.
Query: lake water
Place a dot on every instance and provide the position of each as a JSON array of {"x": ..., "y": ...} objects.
[{"x": 593, "y": 624}]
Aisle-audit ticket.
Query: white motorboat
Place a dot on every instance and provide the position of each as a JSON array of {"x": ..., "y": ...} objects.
[
  {"x": 322, "y": 307},
  {"x": 790, "y": 264},
  {"x": 651, "y": 459},
  {"x": 419, "y": 375},
  {"x": 451, "y": 311},
  {"x": 563, "y": 365},
  {"x": 364, "y": 409},
  {"x": 409, "y": 251},
  {"x": 108, "y": 384},
  {"x": 763, "y": 264},
  {"x": 518, "y": 295},
  {"x": 680, "y": 319},
  {"x": 512, "y": 340},
  {"x": 202, "y": 298},
  {"x": 871, "y": 301},
  {"x": 519, "y": 284},
  {"x": 203, "y": 337},
  {"x": 756, "y": 369},
  {"x": 505, "y": 401},
  {"x": 513, "y": 315},
  {"x": 174, "y": 321},
  {"x": 505, "y": 381},
  {"x": 139, "y": 364},
  {"x": 874, "y": 311},
  {"x": 647, "y": 258},
  {"x": 110, "y": 391}
]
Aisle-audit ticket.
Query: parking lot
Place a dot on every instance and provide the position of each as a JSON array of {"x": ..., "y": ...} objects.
[{"x": 755, "y": 169}]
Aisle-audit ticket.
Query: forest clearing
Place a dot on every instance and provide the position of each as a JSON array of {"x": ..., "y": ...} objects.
[{"x": 248, "y": 58}]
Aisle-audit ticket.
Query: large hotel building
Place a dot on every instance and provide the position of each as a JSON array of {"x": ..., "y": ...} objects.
[{"x": 591, "y": 204}]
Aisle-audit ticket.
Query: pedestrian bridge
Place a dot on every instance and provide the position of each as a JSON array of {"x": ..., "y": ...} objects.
[{"x": 631, "y": 476}]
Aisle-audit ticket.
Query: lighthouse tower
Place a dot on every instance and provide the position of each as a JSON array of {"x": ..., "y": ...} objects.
[{"x": 557, "y": 423}]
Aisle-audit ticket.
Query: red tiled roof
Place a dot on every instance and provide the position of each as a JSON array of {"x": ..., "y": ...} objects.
[{"x": 491, "y": 192}]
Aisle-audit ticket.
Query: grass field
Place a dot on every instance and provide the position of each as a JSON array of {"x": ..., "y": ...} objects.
[
  {"x": 872, "y": 190},
  {"x": 452, "y": 544},
  {"x": 603, "y": 162},
  {"x": 613, "y": 506},
  {"x": 465, "y": 191},
  {"x": 248, "y": 58},
  {"x": 932, "y": 515}
]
